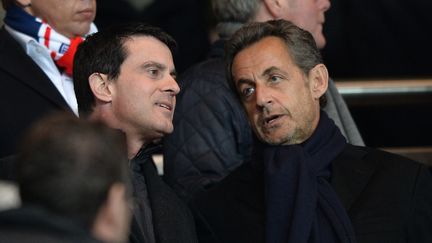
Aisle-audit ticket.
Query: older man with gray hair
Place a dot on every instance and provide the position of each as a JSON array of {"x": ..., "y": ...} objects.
[
  {"x": 212, "y": 136},
  {"x": 305, "y": 183}
]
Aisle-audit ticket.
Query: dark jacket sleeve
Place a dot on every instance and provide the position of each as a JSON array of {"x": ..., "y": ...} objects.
[
  {"x": 211, "y": 133},
  {"x": 420, "y": 223}
]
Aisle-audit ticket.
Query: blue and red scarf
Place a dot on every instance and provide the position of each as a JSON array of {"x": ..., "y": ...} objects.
[{"x": 62, "y": 48}]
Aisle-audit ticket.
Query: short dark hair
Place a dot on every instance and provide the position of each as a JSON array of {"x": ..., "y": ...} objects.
[
  {"x": 301, "y": 44},
  {"x": 104, "y": 52},
  {"x": 67, "y": 166}
]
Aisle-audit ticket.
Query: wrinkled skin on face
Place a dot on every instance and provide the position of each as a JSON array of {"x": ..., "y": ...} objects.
[{"x": 281, "y": 101}]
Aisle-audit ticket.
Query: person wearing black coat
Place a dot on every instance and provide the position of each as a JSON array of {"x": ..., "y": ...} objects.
[
  {"x": 304, "y": 182},
  {"x": 125, "y": 77},
  {"x": 212, "y": 136},
  {"x": 36, "y": 62},
  {"x": 26, "y": 93}
]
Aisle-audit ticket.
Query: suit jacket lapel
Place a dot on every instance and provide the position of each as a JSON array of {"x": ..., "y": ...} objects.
[
  {"x": 155, "y": 196},
  {"x": 15, "y": 61},
  {"x": 172, "y": 221},
  {"x": 351, "y": 174}
]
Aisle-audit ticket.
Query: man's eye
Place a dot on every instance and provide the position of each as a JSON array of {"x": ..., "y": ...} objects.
[
  {"x": 153, "y": 72},
  {"x": 275, "y": 78},
  {"x": 174, "y": 76},
  {"x": 247, "y": 92}
]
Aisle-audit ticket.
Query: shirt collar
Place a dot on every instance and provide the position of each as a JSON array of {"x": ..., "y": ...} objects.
[{"x": 23, "y": 39}]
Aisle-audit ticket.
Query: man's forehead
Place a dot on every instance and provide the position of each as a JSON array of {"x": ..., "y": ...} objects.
[
  {"x": 267, "y": 50},
  {"x": 149, "y": 48},
  {"x": 265, "y": 44},
  {"x": 144, "y": 40}
]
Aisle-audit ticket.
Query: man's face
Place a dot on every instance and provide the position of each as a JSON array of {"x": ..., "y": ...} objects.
[
  {"x": 276, "y": 94},
  {"x": 143, "y": 96},
  {"x": 308, "y": 15},
  {"x": 67, "y": 17}
]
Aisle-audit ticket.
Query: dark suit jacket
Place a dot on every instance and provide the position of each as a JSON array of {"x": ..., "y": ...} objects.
[
  {"x": 172, "y": 220},
  {"x": 388, "y": 199},
  {"x": 26, "y": 93}
]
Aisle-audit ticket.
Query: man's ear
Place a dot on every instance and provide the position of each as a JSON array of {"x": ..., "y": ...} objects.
[
  {"x": 318, "y": 80},
  {"x": 99, "y": 84},
  {"x": 274, "y": 7},
  {"x": 112, "y": 221}
]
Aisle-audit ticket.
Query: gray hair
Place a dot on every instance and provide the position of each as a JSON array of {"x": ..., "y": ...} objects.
[{"x": 232, "y": 14}]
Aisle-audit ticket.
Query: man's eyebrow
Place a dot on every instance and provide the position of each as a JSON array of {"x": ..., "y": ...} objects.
[
  {"x": 269, "y": 71},
  {"x": 173, "y": 73},
  {"x": 244, "y": 81},
  {"x": 154, "y": 64}
]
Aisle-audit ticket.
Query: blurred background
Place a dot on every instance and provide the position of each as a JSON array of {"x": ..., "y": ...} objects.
[{"x": 378, "y": 52}]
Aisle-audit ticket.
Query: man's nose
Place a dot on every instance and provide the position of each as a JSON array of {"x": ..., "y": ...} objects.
[
  {"x": 172, "y": 86},
  {"x": 263, "y": 97}
]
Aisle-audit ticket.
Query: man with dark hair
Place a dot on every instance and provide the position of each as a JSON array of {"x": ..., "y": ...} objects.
[
  {"x": 125, "y": 77},
  {"x": 212, "y": 135},
  {"x": 305, "y": 183},
  {"x": 37, "y": 44},
  {"x": 74, "y": 184}
]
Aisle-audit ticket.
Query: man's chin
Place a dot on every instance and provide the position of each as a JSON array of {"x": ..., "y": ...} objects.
[
  {"x": 272, "y": 140},
  {"x": 167, "y": 130}
]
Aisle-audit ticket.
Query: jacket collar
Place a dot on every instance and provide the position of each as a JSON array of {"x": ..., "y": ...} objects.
[
  {"x": 146, "y": 152},
  {"x": 351, "y": 173},
  {"x": 13, "y": 60}
]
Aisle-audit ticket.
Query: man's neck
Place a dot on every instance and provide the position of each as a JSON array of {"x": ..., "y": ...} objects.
[
  {"x": 134, "y": 141},
  {"x": 134, "y": 144}
]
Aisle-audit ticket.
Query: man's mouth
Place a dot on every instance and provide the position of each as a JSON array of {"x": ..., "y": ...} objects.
[
  {"x": 268, "y": 121},
  {"x": 165, "y": 105},
  {"x": 88, "y": 13}
]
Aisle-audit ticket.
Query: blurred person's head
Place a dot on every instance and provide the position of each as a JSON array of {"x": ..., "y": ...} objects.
[
  {"x": 276, "y": 69},
  {"x": 307, "y": 14},
  {"x": 125, "y": 75},
  {"x": 70, "y": 18},
  {"x": 78, "y": 170}
]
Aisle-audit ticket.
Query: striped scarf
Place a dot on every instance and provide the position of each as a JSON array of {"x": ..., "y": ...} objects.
[{"x": 62, "y": 49}]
